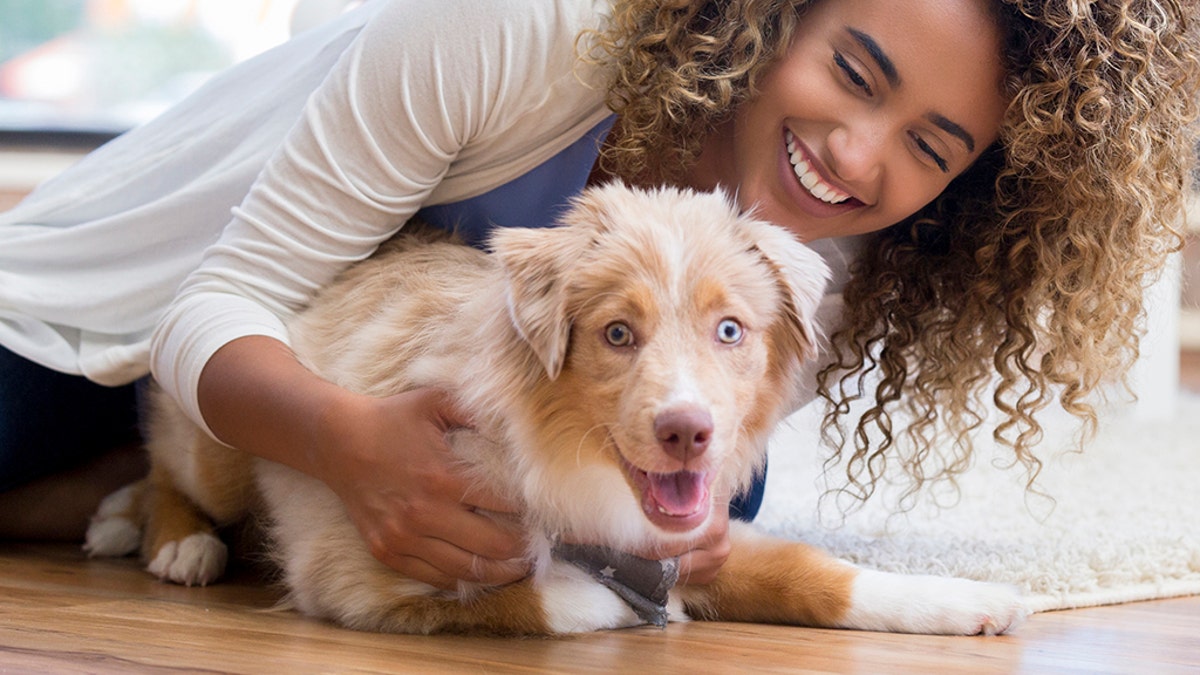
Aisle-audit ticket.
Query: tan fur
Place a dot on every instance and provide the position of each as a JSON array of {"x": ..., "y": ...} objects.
[
  {"x": 773, "y": 581},
  {"x": 170, "y": 516},
  {"x": 569, "y": 425},
  {"x": 512, "y": 610},
  {"x": 217, "y": 478}
]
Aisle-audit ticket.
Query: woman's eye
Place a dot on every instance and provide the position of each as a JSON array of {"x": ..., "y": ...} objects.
[
  {"x": 618, "y": 334},
  {"x": 931, "y": 153},
  {"x": 729, "y": 331},
  {"x": 851, "y": 74}
]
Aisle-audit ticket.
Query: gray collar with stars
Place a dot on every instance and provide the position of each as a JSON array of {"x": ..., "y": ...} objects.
[{"x": 643, "y": 584}]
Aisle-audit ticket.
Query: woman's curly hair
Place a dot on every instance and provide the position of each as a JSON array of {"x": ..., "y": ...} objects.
[{"x": 1023, "y": 282}]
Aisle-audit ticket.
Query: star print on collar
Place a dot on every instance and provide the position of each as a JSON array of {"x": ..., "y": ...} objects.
[{"x": 643, "y": 584}]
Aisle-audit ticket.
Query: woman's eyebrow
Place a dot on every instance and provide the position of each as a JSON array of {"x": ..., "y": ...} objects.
[
  {"x": 953, "y": 129},
  {"x": 881, "y": 58},
  {"x": 893, "y": 77}
]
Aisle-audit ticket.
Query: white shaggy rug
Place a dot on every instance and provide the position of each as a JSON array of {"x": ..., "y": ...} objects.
[{"x": 1121, "y": 523}]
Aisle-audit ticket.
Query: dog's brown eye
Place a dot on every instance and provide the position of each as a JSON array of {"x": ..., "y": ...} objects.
[
  {"x": 729, "y": 331},
  {"x": 618, "y": 334}
]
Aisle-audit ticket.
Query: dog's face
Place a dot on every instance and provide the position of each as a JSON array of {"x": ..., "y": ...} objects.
[{"x": 671, "y": 330}]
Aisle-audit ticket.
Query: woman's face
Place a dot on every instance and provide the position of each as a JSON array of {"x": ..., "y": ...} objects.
[{"x": 873, "y": 109}]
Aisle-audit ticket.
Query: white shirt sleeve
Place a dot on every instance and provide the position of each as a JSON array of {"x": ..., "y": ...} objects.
[{"x": 421, "y": 83}]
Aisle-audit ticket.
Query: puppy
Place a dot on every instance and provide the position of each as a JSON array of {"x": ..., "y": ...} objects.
[{"x": 624, "y": 372}]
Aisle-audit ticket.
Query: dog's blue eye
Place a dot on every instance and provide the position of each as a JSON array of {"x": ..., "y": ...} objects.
[
  {"x": 618, "y": 334},
  {"x": 729, "y": 331}
]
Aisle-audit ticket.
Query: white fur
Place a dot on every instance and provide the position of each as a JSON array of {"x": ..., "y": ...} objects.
[
  {"x": 575, "y": 603},
  {"x": 196, "y": 560},
  {"x": 903, "y": 603},
  {"x": 113, "y": 537},
  {"x": 112, "y": 530}
]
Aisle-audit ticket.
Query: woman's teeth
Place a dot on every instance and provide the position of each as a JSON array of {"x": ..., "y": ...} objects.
[{"x": 810, "y": 179}]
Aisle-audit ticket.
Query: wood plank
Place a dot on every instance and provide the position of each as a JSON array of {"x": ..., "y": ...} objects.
[{"x": 63, "y": 613}]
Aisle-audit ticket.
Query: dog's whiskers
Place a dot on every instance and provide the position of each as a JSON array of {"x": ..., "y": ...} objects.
[{"x": 602, "y": 426}]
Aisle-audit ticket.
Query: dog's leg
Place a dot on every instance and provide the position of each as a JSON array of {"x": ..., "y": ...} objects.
[
  {"x": 180, "y": 543},
  {"x": 366, "y": 596},
  {"x": 771, "y": 580},
  {"x": 116, "y": 528},
  {"x": 512, "y": 610}
]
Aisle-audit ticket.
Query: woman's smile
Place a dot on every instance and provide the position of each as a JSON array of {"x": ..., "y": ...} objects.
[{"x": 814, "y": 193}]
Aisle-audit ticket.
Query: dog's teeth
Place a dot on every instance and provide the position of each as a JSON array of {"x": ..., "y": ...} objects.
[{"x": 662, "y": 509}]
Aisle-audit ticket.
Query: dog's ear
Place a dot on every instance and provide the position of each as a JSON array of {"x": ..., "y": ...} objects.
[
  {"x": 537, "y": 264},
  {"x": 801, "y": 273}
]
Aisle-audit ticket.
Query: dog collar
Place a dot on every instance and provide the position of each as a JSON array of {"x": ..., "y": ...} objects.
[{"x": 643, "y": 584}]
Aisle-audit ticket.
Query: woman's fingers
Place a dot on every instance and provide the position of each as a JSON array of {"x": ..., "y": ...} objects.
[
  {"x": 700, "y": 560},
  {"x": 702, "y": 564},
  {"x": 443, "y": 566}
]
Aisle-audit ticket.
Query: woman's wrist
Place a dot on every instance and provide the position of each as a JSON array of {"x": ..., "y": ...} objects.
[
  {"x": 339, "y": 420},
  {"x": 257, "y": 397}
]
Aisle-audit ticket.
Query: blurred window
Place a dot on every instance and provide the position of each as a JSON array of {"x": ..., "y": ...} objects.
[{"x": 90, "y": 69}]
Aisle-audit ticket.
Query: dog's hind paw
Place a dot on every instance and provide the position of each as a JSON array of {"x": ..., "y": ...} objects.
[
  {"x": 195, "y": 560},
  {"x": 113, "y": 531},
  {"x": 112, "y": 537}
]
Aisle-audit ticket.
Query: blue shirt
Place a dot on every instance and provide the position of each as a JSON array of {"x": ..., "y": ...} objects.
[{"x": 536, "y": 199}]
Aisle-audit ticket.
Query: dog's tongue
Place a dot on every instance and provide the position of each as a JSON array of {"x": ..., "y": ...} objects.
[{"x": 678, "y": 494}]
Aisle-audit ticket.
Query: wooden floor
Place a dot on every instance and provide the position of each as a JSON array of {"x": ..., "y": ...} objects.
[{"x": 63, "y": 613}]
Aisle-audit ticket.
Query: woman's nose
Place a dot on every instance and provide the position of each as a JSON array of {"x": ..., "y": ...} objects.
[{"x": 857, "y": 153}]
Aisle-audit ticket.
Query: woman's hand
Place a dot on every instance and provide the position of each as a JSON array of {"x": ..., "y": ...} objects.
[
  {"x": 396, "y": 476},
  {"x": 386, "y": 459},
  {"x": 701, "y": 564},
  {"x": 702, "y": 559}
]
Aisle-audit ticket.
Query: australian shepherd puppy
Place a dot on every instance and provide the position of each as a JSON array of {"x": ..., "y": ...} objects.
[{"x": 624, "y": 372}]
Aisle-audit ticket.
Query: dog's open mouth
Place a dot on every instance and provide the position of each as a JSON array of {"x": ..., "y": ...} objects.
[{"x": 677, "y": 501}]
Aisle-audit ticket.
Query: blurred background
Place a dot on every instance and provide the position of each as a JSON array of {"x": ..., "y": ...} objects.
[
  {"x": 98, "y": 67},
  {"x": 75, "y": 73}
]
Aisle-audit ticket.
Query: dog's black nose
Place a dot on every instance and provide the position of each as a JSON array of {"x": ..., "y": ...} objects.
[{"x": 683, "y": 433}]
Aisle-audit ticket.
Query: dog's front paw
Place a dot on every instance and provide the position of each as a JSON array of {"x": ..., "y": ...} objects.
[
  {"x": 935, "y": 605},
  {"x": 114, "y": 531},
  {"x": 977, "y": 608},
  {"x": 194, "y": 560}
]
